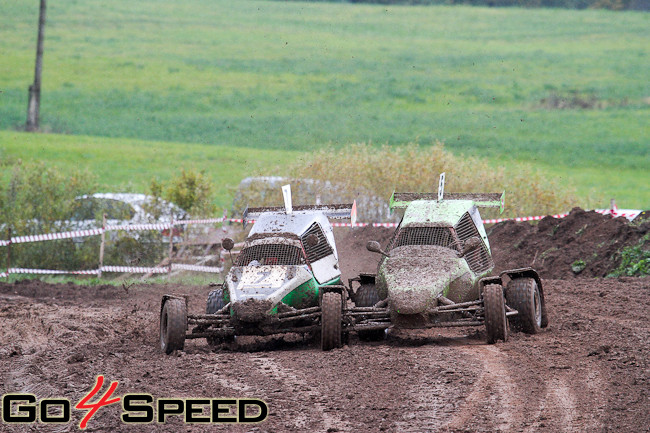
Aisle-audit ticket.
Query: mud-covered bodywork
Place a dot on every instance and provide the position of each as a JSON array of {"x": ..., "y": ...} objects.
[
  {"x": 425, "y": 257},
  {"x": 435, "y": 269},
  {"x": 272, "y": 267},
  {"x": 278, "y": 271},
  {"x": 281, "y": 274}
]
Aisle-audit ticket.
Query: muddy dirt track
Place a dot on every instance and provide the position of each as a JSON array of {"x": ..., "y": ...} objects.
[{"x": 588, "y": 371}]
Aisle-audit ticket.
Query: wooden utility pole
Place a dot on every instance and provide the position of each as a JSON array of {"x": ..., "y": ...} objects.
[{"x": 33, "y": 106}]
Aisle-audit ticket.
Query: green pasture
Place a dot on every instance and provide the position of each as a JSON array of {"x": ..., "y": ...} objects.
[
  {"x": 143, "y": 88},
  {"x": 130, "y": 165}
]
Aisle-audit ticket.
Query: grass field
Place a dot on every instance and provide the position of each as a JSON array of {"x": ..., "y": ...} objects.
[
  {"x": 130, "y": 165},
  {"x": 147, "y": 87}
]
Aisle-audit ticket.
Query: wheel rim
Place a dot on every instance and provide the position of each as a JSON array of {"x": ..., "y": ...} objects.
[{"x": 538, "y": 307}]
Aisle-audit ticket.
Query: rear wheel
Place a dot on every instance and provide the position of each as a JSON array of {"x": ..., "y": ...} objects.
[
  {"x": 331, "y": 321},
  {"x": 173, "y": 323},
  {"x": 495, "y": 313},
  {"x": 523, "y": 295},
  {"x": 215, "y": 301},
  {"x": 367, "y": 296}
]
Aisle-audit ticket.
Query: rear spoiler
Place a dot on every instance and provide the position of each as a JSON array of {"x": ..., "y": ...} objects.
[
  {"x": 334, "y": 211},
  {"x": 400, "y": 200}
]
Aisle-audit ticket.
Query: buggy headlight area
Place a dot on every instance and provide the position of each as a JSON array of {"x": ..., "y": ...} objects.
[{"x": 265, "y": 283}]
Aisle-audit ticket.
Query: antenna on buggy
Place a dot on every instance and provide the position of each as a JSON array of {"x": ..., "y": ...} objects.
[
  {"x": 286, "y": 193},
  {"x": 441, "y": 187}
]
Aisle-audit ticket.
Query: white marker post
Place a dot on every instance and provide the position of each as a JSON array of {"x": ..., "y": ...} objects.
[
  {"x": 286, "y": 193},
  {"x": 441, "y": 187},
  {"x": 353, "y": 213}
]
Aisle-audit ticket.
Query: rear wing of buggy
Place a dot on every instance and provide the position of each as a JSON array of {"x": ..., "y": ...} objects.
[
  {"x": 400, "y": 200},
  {"x": 333, "y": 211}
]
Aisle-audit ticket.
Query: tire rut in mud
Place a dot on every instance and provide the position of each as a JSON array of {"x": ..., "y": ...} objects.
[{"x": 588, "y": 371}]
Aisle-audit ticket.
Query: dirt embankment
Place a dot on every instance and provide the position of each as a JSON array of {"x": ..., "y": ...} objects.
[
  {"x": 555, "y": 246},
  {"x": 354, "y": 258},
  {"x": 552, "y": 246}
]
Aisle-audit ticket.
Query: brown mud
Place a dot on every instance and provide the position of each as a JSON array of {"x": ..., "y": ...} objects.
[
  {"x": 588, "y": 371},
  {"x": 553, "y": 246}
]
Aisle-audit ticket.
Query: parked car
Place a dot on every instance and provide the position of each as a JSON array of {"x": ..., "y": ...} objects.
[{"x": 124, "y": 209}]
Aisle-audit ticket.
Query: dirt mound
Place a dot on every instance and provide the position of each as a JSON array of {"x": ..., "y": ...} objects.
[
  {"x": 354, "y": 258},
  {"x": 584, "y": 244}
]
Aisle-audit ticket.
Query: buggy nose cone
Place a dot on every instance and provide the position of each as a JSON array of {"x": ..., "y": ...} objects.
[
  {"x": 416, "y": 275},
  {"x": 412, "y": 300}
]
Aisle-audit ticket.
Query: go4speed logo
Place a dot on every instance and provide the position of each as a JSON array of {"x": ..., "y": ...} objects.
[{"x": 20, "y": 408}]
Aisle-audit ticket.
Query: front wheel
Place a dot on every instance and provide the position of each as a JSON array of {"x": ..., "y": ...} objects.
[
  {"x": 495, "y": 313},
  {"x": 331, "y": 321},
  {"x": 173, "y": 323},
  {"x": 523, "y": 295}
]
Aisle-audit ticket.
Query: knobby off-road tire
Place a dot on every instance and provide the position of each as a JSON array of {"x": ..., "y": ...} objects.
[
  {"x": 331, "y": 321},
  {"x": 523, "y": 295},
  {"x": 214, "y": 304},
  {"x": 367, "y": 296},
  {"x": 173, "y": 323},
  {"x": 495, "y": 313},
  {"x": 215, "y": 301}
]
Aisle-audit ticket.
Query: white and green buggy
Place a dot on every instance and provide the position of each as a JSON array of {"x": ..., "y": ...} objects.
[
  {"x": 436, "y": 271},
  {"x": 286, "y": 278}
]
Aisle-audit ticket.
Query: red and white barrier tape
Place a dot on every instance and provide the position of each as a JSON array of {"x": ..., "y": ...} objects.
[
  {"x": 196, "y": 268},
  {"x": 138, "y": 227},
  {"x": 630, "y": 214},
  {"x": 206, "y": 221},
  {"x": 627, "y": 213},
  {"x": 54, "y": 236},
  {"x": 119, "y": 269},
  {"x": 50, "y": 271},
  {"x": 134, "y": 270},
  {"x": 520, "y": 219}
]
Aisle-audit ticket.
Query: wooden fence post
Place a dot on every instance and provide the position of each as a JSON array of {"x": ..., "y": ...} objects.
[
  {"x": 171, "y": 244},
  {"x": 8, "y": 252},
  {"x": 101, "y": 247}
]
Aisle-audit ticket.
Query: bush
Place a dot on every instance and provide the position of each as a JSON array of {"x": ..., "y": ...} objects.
[
  {"x": 365, "y": 170},
  {"x": 38, "y": 199},
  {"x": 635, "y": 260},
  {"x": 193, "y": 191}
]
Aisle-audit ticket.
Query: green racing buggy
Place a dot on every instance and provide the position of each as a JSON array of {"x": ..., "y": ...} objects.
[
  {"x": 436, "y": 272},
  {"x": 286, "y": 278}
]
